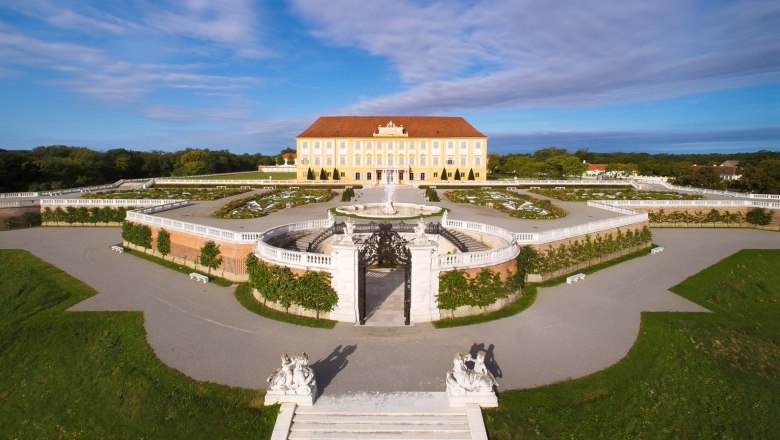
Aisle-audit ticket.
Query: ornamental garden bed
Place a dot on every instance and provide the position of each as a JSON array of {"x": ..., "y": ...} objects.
[
  {"x": 272, "y": 201},
  {"x": 186, "y": 193},
  {"x": 585, "y": 194},
  {"x": 514, "y": 204}
]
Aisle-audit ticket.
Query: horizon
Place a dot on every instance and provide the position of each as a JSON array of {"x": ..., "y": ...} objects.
[{"x": 248, "y": 76}]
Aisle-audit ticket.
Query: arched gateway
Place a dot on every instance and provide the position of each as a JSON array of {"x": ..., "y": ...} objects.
[{"x": 384, "y": 246}]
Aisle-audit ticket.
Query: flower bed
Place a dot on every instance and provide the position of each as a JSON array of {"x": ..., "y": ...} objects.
[
  {"x": 272, "y": 201},
  {"x": 514, "y": 204},
  {"x": 186, "y": 193},
  {"x": 585, "y": 194}
]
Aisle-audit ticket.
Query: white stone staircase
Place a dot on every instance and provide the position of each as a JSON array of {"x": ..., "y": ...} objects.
[{"x": 381, "y": 416}]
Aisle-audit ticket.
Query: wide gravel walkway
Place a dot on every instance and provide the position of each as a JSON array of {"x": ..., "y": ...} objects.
[{"x": 571, "y": 330}]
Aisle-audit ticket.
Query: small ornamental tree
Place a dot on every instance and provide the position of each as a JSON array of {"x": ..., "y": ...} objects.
[
  {"x": 471, "y": 174},
  {"x": 323, "y": 174},
  {"x": 209, "y": 256},
  {"x": 310, "y": 174},
  {"x": 163, "y": 243},
  {"x": 336, "y": 174},
  {"x": 457, "y": 174},
  {"x": 759, "y": 217},
  {"x": 315, "y": 292},
  {"x": 444, "y": 174}
]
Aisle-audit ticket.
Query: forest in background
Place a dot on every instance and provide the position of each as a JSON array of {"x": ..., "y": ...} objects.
[{"x": 58, "y": 166}]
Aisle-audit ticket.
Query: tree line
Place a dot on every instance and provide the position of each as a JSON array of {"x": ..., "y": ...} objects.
[{"x": 59, "y": 166}]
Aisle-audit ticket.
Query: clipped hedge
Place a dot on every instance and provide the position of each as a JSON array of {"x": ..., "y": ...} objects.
[
  {"x": 457, "y": 289},
  {"x": 82, "y": 214}
]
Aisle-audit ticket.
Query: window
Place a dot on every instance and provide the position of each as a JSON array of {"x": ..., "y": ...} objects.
[
  {"x": 342, "y": 174},
  {"x": 305, "y": 145},
  {"x": 411, "y": 176},
  {"x": 463, "y": 161},
  {"x": 390, "y": 145},
  {"x": 357, "y": 160},
  {"x": 329, "y": 174},
  {"x": 357, "y": 145},
  {"x": 477, "y": 144},
  {"x": 305, "y": 161},
  {"x": 436, "y": 145},
  {"x": 422, "y": 176},
  {"x": 329, "y": 145},
  {"x": 316, "y": 160},
  {"x": 449, "y": 174},
  {"x": 343, "y": 160},
  {"x": 435, "y": 175},
  {"x": 423, "y": 144},
  {"x": 477, "y": 161},
  {"x": 316, "y": 145},
  {"x": 343, "y": 145},
  {"x": 476, "y": 174},
  {"x": 379, "y": 145},
  {"x": 368, "y": 145},
  {"x": 411, "y": 144},
  {"x": 379, "y": 160},
  {"x": 422, "y": 161},
  {"x": 400, "y": 160},
  {"x": 450, "y": 160},
  {"x": 368, "y": 160},
  {"x": 463, "y": 145},
  {"x": 368, "y": 176},
  {"x": 435, "y": 161},
  {"x": 400, "y": 144},
  {"x": 357, "y": 176},
  {"x": 411, "y": 160},
  {"x": 450, "y": 144},
  {"x": 389, "y": 160},
  {"x": 329, "y": 160}
]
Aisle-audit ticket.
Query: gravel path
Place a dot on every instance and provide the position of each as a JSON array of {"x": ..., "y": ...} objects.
[{"x": 571, "y": 330}]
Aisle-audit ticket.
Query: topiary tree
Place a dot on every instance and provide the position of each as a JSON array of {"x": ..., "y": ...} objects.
[
  {"x": 323, "y": 174},
  {"x": 316, "y": 292},
  {"x": 471, "y": 174},
  {"x": 163, "y": 243},
  {"x": 444, "y": 174},
  {"x": 759, "y": 217},
  {"x": 310, "y": 174},
  {"x": 209, "y": 256},
  {"x": 457, "y": 174},
  {"x": 336, "y": 174}
]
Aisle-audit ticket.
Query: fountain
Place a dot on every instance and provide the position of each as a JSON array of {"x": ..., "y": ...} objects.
[{"x": 389, "y": 209}]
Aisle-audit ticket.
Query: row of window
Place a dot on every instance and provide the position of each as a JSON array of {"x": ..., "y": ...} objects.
[
  {"x": 357, "y": 145},
  {"x": 463, "y": 161},
  {"x": 370, "y": 176}
]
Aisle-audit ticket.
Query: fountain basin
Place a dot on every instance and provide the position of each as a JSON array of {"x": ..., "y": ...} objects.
[{"x": 380, "y": 210}]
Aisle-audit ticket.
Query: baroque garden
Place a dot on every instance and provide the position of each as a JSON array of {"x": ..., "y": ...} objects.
[{"x": 365, "y": 272}]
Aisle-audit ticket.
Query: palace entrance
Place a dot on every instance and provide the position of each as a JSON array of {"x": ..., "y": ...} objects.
[{"x": 384, "y": 247}]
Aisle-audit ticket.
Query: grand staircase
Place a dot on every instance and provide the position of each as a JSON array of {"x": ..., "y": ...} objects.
[
  {"x": 381, "y": 416},
  {"x": 471, "y": 244}
]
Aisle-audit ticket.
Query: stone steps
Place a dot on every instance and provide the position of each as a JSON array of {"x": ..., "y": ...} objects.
[
  {"x": 386, "y": 416},
  {"x": 471, "y": 244}
]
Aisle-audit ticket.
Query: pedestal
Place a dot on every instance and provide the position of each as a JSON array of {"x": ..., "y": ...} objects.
[
  {"x": 425, "y": 280},
  {"x": 485, "y": 399},
  {"x": 272, "y": 397},
  {"x": 345, "y": 282}
]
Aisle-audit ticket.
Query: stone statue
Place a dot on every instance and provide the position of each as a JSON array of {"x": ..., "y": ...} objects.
[
  {"x": 471, "y": 386},
  {"x": 330, "y": 218},
  {"x": 444, "y": 219},
  {"x": 293, "y": 382},
  {"x": 349, "y": 231}
]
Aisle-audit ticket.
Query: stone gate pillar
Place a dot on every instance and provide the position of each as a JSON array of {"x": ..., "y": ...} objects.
[
  {"x": 425, "y": 280},
  {"x": 345, "y": 280}
]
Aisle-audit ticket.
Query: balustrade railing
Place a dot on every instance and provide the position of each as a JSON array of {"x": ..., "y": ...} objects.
[{"x": 110, "y": 202}]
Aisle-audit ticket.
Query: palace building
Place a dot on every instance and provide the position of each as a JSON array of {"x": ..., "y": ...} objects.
[{"x": 391, "y": 149}]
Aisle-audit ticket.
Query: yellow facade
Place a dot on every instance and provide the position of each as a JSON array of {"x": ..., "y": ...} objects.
[{"x": 391, "y": 156}]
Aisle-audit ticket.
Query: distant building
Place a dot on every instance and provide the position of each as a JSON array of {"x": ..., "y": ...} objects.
[
  {"x": 595, "y": 169},
  {"x": 287, "y": 167},
  {"x": 727, "y": 170},
  {"x": 372, "y": 149}
]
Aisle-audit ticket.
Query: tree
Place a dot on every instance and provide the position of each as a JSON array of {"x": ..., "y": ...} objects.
[
  {"x": 316, "y": 292},
  {"x": 163, "y": 242},
  {"x": 562, "y": 166},
  {"x": 336, "y": 174},
  {"x": 471, "y": 174},
  {"x": 759, "y": 217},
  {"x": 701, "y": 177},
  {"x": 310, "y": 174},
  {"x": 209, "y": 256},
  {"x": 323, "y": 174},
  {"x": 548, "y": 152},
  {"x": 763, "y": 177},
  {"x": 444, "y": 174},
  {"x": 457, "y": 174}
]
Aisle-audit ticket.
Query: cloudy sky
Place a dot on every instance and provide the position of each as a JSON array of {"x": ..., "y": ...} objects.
[{"x": 656, "y": 76}]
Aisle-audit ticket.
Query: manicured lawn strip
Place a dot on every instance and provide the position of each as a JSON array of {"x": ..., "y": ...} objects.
[
  {"x": 251, "y": 175},
  {"x": 245, "y": 298},
  {"x": 529, "y": 295},
  {"x": 177, "y": 267},
  {"x": 690, "y": 375},
  {"x": 93, "y": 375}
]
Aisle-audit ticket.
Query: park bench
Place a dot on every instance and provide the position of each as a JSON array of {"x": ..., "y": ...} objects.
[
  {"x": 221, "y": 187},
  {"x": 560, "y": 187},
  {"x": 117, "y": 249},
  {"x": 512, "y": 188},
  {"x": 295, "y": 187},
  {"x": 268, "y": 187},
  {"x": 657, "y": 250},
  {"x": 246, "y": 187},
  {"x": 199, "y": 278},
  {"x": 574, "y": 278},
  {"x": 536, "y": 187}
]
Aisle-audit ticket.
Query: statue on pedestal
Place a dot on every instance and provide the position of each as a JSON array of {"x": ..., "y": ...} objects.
[
  {"x": 419, "y": 231},
  {"x": 349, "y": 231},
  {"x": 292, "y": 382},
  {"x": 471, "y": 386}
]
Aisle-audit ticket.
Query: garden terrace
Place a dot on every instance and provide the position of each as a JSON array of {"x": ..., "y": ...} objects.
[
  {"x": 585, "y": 194},
  {"x": 514, "y": 204},
  {"x": 160, "y": 193},
  {"x": 271, "y": 201}
]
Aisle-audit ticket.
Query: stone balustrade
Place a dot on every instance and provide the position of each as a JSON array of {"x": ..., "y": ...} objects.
[
  {"x": 19, "y": 204},
  {"x": 109, "y": 202},
  {"x": 608, "y": 204}
]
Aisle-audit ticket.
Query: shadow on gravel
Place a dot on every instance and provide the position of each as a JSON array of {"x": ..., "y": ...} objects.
[
  {"x": 490, "y": 358},
  {"x": 326, "y": 369}
]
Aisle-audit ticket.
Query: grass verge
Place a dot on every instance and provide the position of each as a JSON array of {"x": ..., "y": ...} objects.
[
  {"x": 528, "y": 296},
  {"x": 689, "y": 375},
  {"x": 177, "y": 267},
  {"x": 245, "y": 298},
  {"x": 93, "y": 375}
]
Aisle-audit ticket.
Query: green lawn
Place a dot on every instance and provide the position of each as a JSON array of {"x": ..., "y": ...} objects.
[
  {"x": 251, "y": 175},
  {"x": 690, "y": 375},
  {"x": 92, "y": 374},
  {"x": 244, "y": 297}
]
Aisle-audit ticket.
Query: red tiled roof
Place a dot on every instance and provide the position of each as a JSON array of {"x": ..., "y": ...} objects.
[
  {"x": 597, "y": 167},
  {"x": 415, "y": 126},
  {"x": 288, "y": 155}
]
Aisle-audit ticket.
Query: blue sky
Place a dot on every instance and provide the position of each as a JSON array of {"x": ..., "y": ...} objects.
[{"x": 656, "y": 76}]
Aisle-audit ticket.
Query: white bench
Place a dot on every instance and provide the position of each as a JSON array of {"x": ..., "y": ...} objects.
[
  {"x": 574, "y": 278},
  {"x": 199, "y": 278},
  {"x": 118, "y": 249},
  {"x": 268, "y": 187},
  {"x": 536, "y": 187},
  {"x": 246, "y": 187},
  {"x": 560, "y": 187},
  {"x": 657, "y": 250},
  {"x": 221, "y": 187}
]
